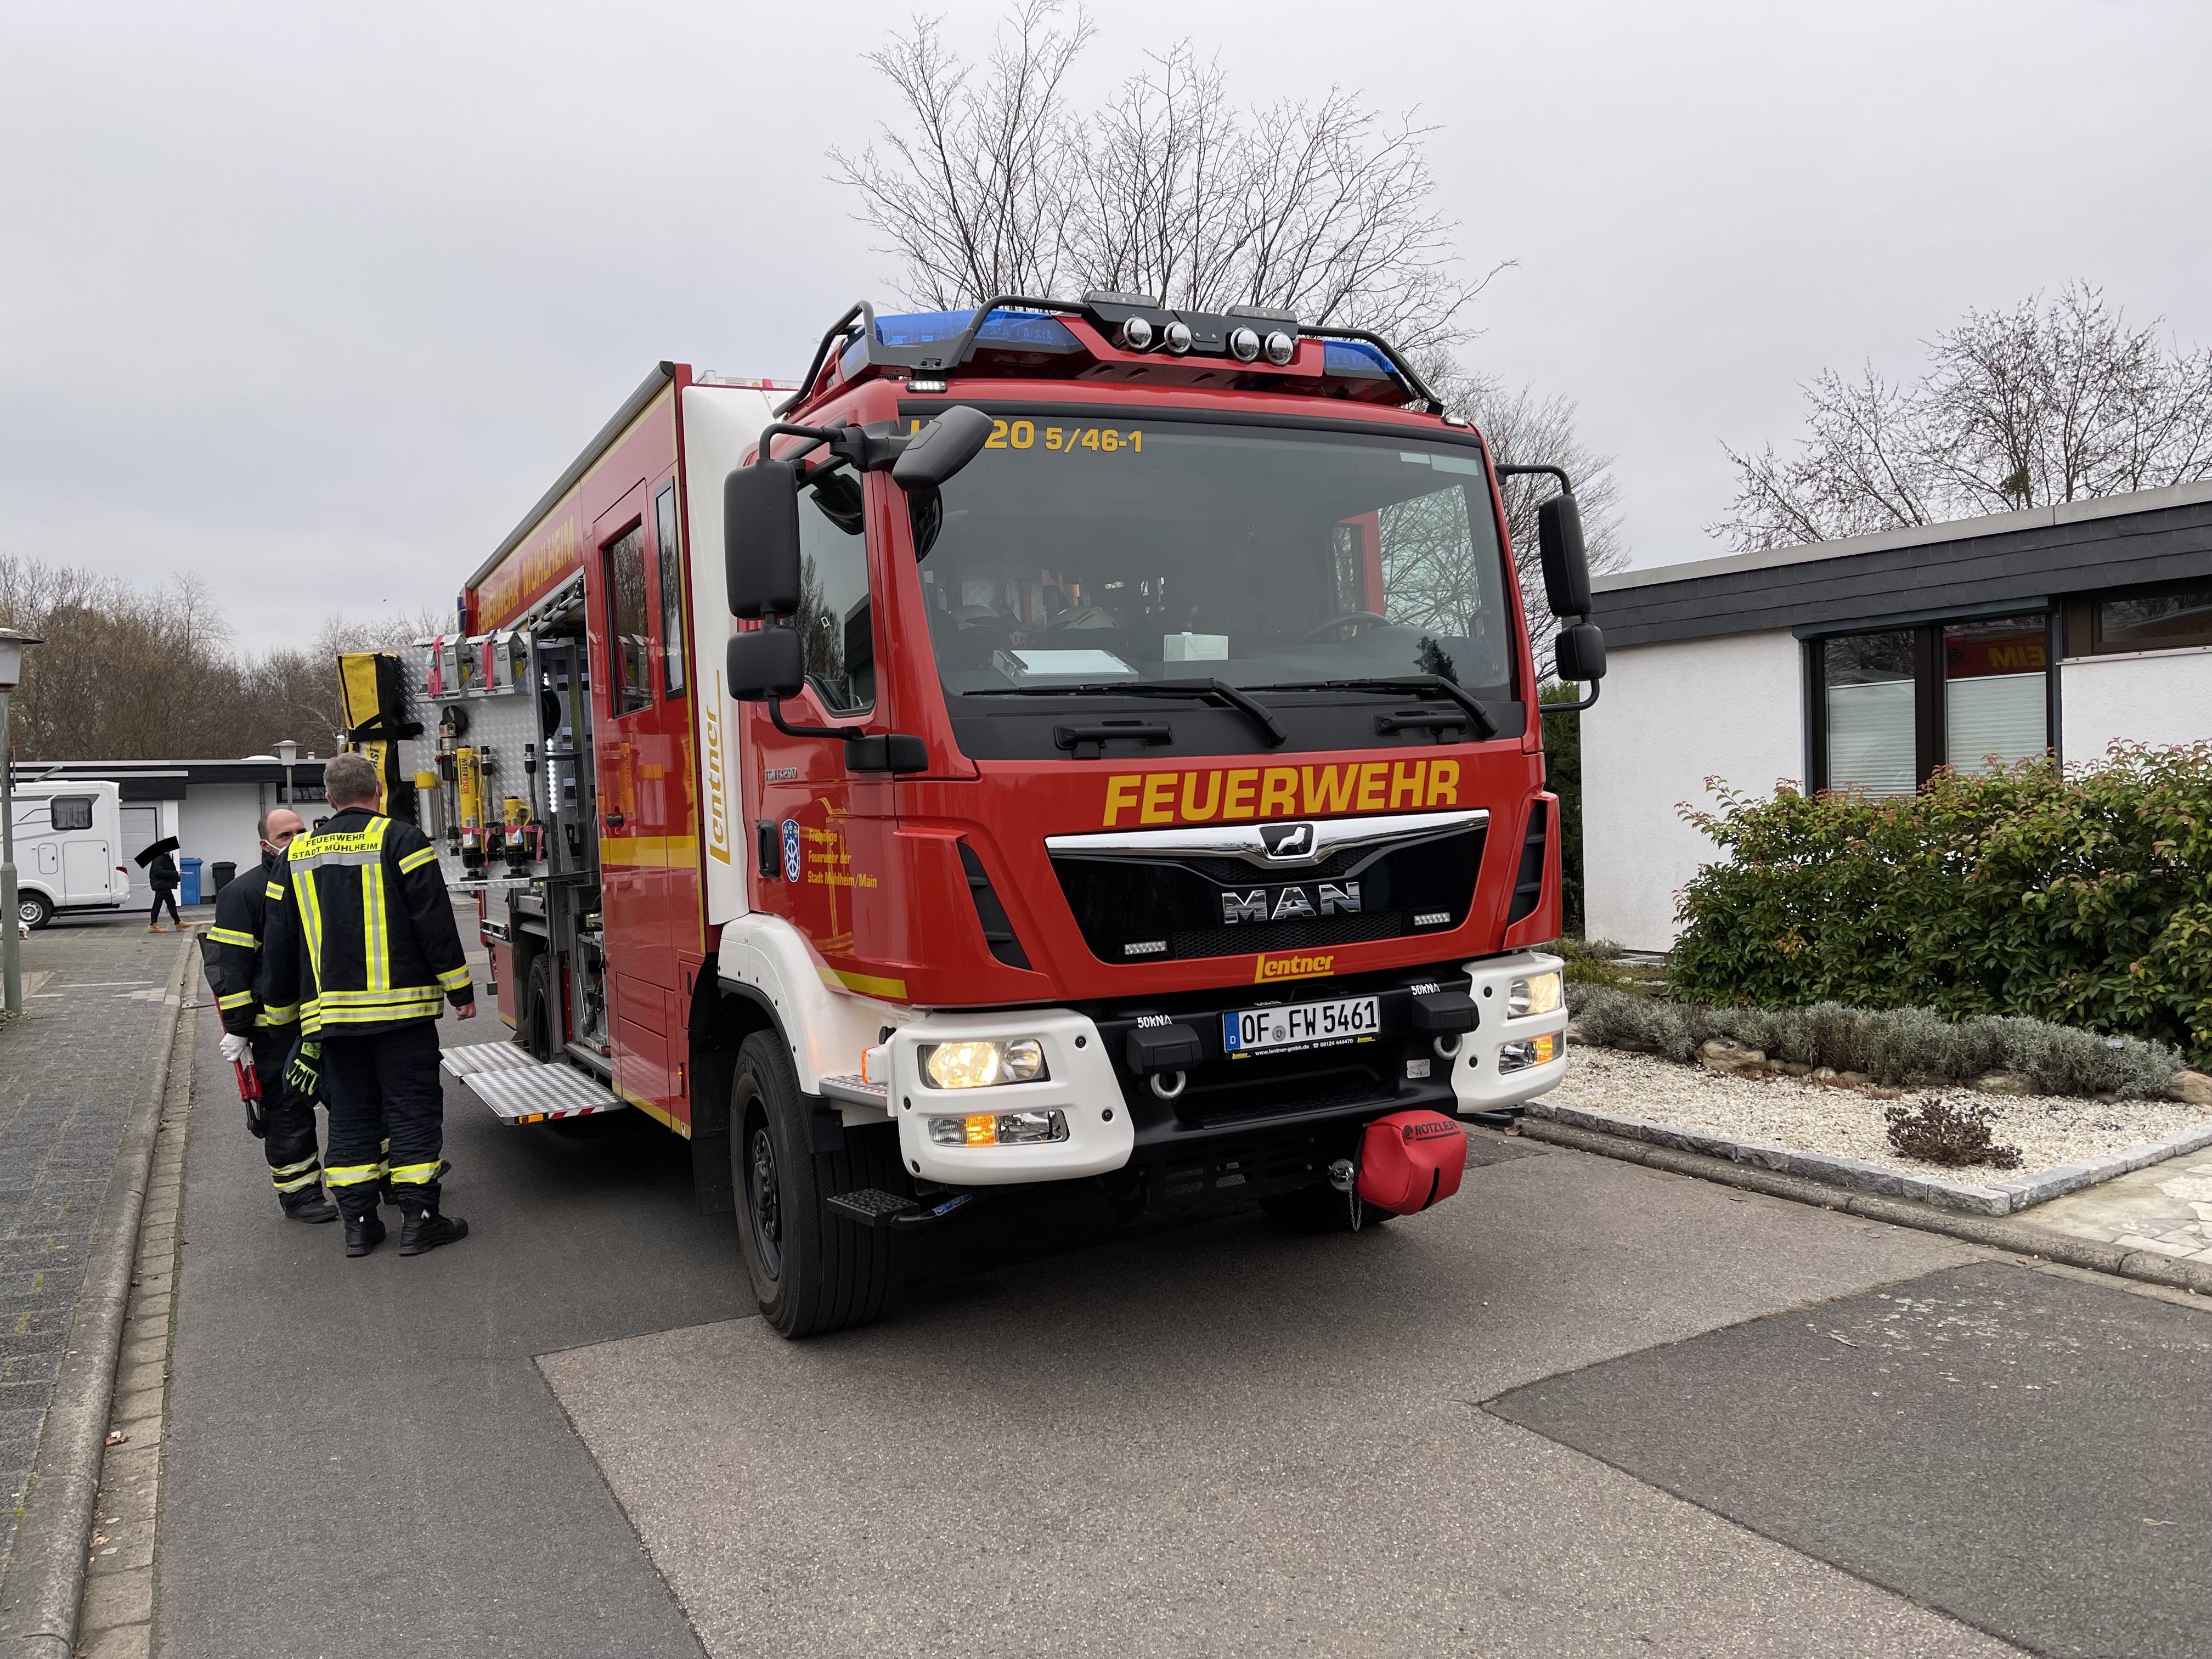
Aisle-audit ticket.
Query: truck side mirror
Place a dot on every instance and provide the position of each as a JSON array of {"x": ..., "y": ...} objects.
[
  {"x": 1566, "y": 568},
  {"x": 765, "y": 663},
  {"x": 760, "y": 539},
  {"x": 941, "y": 449},
  {"x": 1579, "y": 655}
]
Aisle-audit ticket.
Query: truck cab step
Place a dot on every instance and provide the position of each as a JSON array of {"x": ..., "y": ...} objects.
[
  {"x": 872, "y": 1206},
  {"x": 521, "y": 1090}
]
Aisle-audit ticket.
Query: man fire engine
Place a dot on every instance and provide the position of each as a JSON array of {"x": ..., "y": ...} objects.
[{"x": 1072, "y": 741}]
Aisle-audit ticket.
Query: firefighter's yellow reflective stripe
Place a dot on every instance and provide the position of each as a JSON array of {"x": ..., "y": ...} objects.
[
  {"x": 244, "y": 940},
  {"x": 416, "y": 859},
  {"x": 353, "y": 1175},
  {"x": 417, "y": 1175},
  {"x": 235, "y": 1000},
  {"x": 282, "y": 1013},
  {"x": 324, "y": 857},
  {"x": 453, "y": 978},
  {"x": 308, "y": 1180},
  {"x": 285, "y": 1171},
  {"x": 276, "y": 891},
  {"x": 410, "y": 996},
  {"x": 376, "y": 928}
]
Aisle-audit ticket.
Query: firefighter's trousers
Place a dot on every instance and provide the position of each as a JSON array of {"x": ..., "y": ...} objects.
[
  {"x": 387, "y": 1118},
  {"x": 289, "y": 1118}
]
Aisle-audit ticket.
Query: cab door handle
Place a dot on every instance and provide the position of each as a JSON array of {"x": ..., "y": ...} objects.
[{"x": 614, "y": 820}]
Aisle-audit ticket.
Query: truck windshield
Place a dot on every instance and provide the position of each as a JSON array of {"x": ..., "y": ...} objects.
[{"x": 1082, "y": 552}]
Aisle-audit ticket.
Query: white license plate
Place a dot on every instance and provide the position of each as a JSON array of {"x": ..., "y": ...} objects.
[{"x": 1250, "y": 1029}]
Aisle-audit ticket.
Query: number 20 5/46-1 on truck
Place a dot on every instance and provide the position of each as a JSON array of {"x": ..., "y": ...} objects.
[{"x": 1069, "y": 741}]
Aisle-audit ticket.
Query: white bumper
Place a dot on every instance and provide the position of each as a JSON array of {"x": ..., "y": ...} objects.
[
  {"x": 1079, "y": 1082},
  {"x": 1476, "y": 1079}
]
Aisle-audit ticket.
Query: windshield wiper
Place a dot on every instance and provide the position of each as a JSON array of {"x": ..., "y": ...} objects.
[
  {"x": 1423, "y": 685},
  {"x": 1257, "y": 713}
]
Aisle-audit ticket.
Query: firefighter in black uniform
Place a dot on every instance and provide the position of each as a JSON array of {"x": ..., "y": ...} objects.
[
  {"x": 263, "y": 1036},
  {"x": 362, "y": 937}
]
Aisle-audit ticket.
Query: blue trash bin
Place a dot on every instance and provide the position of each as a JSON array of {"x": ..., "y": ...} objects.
[{"x": 190, "y": 868}]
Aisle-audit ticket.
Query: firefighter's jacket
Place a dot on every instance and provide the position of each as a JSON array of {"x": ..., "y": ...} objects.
[
  {"x": 361, "y": 936},
  {"x": 233, "y": 947}
]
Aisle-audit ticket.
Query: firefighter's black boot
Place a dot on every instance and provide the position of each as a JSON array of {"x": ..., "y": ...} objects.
[
  {"x": 426, "y": 1230},
  {"x": 363, "y": 1233},
  {"x": 312, "y": 1205}
]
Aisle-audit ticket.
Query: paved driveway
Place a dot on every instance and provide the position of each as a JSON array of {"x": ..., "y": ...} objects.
[{"x": 568, "y": 1436}]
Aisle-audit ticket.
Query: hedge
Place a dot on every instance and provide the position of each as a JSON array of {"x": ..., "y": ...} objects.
[
  {"x": 1909, "y": 1047},
  {"x": 2083, "y": 900}
]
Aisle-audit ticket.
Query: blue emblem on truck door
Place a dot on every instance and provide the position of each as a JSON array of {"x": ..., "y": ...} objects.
[{"x": 791, "y": 849}]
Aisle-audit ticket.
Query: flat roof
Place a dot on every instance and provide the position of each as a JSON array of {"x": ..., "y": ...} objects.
[{"x": 2029, "y": 557}]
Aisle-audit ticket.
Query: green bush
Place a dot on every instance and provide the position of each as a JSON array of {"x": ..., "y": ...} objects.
[
  {"x": 1902, "y": 1047},
  {"x": 2085, "y": 900}
]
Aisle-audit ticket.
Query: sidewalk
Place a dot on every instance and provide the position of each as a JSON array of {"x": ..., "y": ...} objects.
[{"x": 70, "y": 1071}]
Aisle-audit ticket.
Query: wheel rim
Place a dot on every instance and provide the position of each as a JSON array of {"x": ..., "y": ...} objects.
[
  {"x": 764, "y": 1199},
  {"x": 30, "y": 910}
]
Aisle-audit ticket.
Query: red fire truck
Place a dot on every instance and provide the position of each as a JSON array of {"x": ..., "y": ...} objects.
[{"x": 1072, "y": 741}]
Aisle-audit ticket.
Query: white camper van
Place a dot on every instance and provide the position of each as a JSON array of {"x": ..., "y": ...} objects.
[{"x": 68, "y": 849}]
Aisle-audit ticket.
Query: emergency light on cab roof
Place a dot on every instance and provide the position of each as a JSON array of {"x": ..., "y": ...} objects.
[{"x": 1118, "y": 336}]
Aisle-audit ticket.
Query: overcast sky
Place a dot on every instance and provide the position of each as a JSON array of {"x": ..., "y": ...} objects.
[{"x": 315, "y": 300}]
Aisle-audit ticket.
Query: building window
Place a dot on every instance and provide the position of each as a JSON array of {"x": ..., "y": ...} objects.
[
  {"x": 2167, "y": 618},
  {"x": 72, "y": 812},
  {"x": 1894, "y": 705},
  {"x": 669, "y": 548}
]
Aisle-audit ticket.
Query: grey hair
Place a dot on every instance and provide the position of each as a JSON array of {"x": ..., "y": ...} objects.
[{"x": 350, "y": 780}]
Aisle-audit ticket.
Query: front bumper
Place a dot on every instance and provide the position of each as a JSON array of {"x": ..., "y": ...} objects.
[{"x": 1266, "y": 1123}]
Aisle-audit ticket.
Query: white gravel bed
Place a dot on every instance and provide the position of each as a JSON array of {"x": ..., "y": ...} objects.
[{"x": 1806, "y": 1117}]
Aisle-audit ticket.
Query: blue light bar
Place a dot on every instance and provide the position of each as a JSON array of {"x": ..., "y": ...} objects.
[
  {"x": 1354, "y": 357},
  {"x": 1019, "y": 330}
]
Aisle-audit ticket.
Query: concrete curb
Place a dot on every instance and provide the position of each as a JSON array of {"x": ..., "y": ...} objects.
[
  {"x": 1997, "y": 1198},
  {"x": 1997, "y": 1233},
  {"x": 46, "y": 1571}
]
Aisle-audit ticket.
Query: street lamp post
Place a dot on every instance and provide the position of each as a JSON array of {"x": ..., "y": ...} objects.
[
  {"x": 12, "y": 641},
  {"x": 287, "y": 751}
]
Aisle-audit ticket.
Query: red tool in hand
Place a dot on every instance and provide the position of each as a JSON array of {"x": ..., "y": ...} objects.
[{"x": 249, "y": 1090}]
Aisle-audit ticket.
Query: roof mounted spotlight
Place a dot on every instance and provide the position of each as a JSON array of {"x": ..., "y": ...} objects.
[
  {"x": 1176, "y": 336},
  {"x": 1136, "y": 335},
  {"x": 1281, "y": 348},
  {"x": 1244, "y": 344}
]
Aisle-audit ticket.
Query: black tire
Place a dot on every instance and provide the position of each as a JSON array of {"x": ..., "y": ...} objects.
[
  {"x": 538, "y": 1009},
  {"x": 811, "y": 1271},
  {"x": 34, "y": 909},
  {"x": 1320, "y": 1209}
]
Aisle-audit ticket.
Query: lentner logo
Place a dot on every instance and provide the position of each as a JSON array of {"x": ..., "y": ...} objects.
[
  {"x": 717, "y": 806},
  {"x": 1292, "y": 967}
]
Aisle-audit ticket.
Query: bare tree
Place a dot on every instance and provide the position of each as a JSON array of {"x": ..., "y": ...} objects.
[
  {"x": 128, "y": 673},
  {"x": 1319, "y": 210},
  {"x": 2045, "y": 403}
]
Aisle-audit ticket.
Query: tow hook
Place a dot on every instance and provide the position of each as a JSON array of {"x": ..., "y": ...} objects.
[
  {"x": 872, "y": 1206},
  {"x": 1341, "y": 1175}
]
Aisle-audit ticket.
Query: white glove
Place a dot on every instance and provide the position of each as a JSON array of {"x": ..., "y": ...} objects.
[{"x": 235, "y": 1048}]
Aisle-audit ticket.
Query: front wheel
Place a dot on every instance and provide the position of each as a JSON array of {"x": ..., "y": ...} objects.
[
  {"x": 811, "y": 1271},
  {"x": 33, "y": 910}
]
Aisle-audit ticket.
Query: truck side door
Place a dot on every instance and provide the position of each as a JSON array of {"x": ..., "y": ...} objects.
[{"x": 644, "y": 805}]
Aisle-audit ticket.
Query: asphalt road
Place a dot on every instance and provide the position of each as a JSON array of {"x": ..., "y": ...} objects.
[{"x": 567, "y": 1436}]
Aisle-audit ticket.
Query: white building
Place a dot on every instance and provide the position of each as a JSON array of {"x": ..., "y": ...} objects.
[
  {"x": 1871, "y": 661},
  {"x": 211, "y": 806}
]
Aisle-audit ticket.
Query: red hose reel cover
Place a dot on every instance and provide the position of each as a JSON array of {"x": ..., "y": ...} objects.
[{"x": 1409, "y": 1160}]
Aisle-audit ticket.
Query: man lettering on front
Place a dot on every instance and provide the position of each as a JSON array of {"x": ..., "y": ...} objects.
[{"x": 361, "y": 937}]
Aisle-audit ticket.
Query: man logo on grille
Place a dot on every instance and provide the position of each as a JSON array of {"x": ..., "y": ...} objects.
[{"x": 1287, "y": 841}]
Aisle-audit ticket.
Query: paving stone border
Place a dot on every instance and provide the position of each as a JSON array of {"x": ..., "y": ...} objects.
[
  {"x": 1992, "y": 1198},
  {"x": 2022, "y": 1238},
  {"x": 46, "y": 1570}
]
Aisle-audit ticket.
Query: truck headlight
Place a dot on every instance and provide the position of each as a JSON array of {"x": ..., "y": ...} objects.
[
  {"x": 1529, "y": 1051},
  {"x": 1539, "y": 994},
  {"x": 997, "y": 1129},
  {"x": 982, "y": 1065}
]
